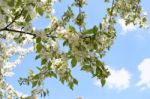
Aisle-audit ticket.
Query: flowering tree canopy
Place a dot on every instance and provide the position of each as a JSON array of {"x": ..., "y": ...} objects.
[{"x": 86, "y": 46}]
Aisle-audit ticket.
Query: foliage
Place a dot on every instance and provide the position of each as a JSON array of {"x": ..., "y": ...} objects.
[{"x": 86, "y": 46}]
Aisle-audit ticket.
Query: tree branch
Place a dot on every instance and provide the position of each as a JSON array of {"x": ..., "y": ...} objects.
[
  {"x": 17, "y": 31},
  {"x": 24, "y": 32}
]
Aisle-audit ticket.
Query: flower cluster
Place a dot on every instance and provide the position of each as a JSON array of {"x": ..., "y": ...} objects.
[{"x": 9, "y": 49}]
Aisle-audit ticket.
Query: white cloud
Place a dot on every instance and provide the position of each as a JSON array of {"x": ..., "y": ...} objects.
[
  {"x": 119, "y": 79},
  {"x": 127, "y": 28},
  {"x": 144, "y": 68}
]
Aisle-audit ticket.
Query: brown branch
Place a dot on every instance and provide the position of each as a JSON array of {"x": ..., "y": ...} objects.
[
  {"x": 24, "y": 32},
  {"x": 18, "y": 31}
]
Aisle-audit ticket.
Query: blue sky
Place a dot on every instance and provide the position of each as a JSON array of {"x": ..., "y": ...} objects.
[{"x": 128, "y": 60}]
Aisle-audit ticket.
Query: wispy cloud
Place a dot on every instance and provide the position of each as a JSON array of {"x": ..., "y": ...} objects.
[
  {"x": 119, "y": 79},
  {"x": 144, "y": 68},
  {"x": 128, "y": 28}
]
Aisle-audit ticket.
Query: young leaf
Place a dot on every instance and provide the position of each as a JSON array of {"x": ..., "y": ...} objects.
[{"x": 73, "y": 62}]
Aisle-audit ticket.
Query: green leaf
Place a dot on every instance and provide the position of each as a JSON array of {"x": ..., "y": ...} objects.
[
  {"x": 99, "y": 63},
  {"x": 71, "y": 85},
  {"x": 72, "y": 29},
  {"x": 24, "y": 13},
  {"x": 37, "y": 57},
  {"x": 30, "y": 72},
  {"x": 103, "y": 81},
  {"x": 20, "y": 23},
  {"x": 28, "y": 18},
  {"x": 36, "y": 77},
  {"x": 19, "y": 2},
  {"x": 34, "y": 84},
  {"x": 65, "y": 43},
  {"x": 107, "y": 0},
  {"x": 40, "y": 10},
  {"x": 87, "y": 67},
  {"x": 95, "y": 29},
  {"x": 11, "y": 3},
  {"x": 43, "y": 61},
  {"x": 54, "y": 74},
  {"x": 38, "y": 68},
  {"x": 73, "y": 62},
  {"x": 39, "y": 47},
  {"x": 6, "y": 19},
  {"x": 100, "y": 26},
  {"x": 38, "y": 39},
  {"x": 75, "y": 81},
  {"x": 47, "y": 30},
  {"x": 49, "y": 65},
  {"x": 88, "y": 31},
  {"x": 44, "y": 93}
]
